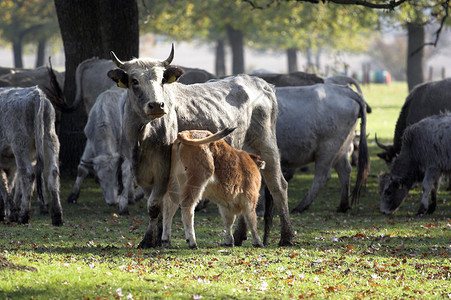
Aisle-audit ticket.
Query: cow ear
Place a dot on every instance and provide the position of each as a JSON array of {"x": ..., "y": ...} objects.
[
  {"x": 120, "y": 77},
  {"x": 172, "y": 74}
]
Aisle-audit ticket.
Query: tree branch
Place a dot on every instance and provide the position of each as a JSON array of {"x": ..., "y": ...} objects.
[
  {"x": 391, "y": 4},
  {"x": 445, "y": 6}
]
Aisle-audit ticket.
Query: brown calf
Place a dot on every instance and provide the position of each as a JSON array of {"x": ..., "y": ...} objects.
[{"x": 205, "y": 166}]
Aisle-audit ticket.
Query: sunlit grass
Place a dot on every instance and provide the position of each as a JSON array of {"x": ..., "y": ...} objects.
[{"x": 360, "y": 254}]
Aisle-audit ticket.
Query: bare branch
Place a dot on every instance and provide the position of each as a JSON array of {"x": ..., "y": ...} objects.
[
  {"x": 445, "y": 6},
  {"x": 390, "y": 5}
]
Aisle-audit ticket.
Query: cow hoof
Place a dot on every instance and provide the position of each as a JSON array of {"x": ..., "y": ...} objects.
[
  {"x": 257, "y": 245},
  {"x": 145, "y": 245},
  {"x": 193, "y": 246},
  {"x": 421, "y": 210},
  {"x": 23, "y": 220},
  {"x": 72, "y": 198},
  {"x": 341, "y": 209},
  {"x": 431, "y": 208},
  {"x": 57, "y": 221},
  {"x": 285, "y": 243},
  {"x": 227, "y": 245},
  {"x": 299, "y": 210}
]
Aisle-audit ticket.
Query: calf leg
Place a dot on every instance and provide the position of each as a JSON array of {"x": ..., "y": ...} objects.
[
  {"x": 429, "y": 181},
  {"x": 251, "y": 220},
  {"x": 343, "y": 169},
  {"x": 171, "y": 203},
  {"x": 4, "y": 194},
  {"x": 81, "y": 175},
  {"x": 228, "y": 218},
  {"x": 25, "y": 183}
]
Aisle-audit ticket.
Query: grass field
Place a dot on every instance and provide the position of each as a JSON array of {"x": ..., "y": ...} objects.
[{"x": 360, "y": 254}]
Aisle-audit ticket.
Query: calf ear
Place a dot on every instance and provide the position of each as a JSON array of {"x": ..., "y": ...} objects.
[
  {"x": 120, "y": 77},
  {"x": 172, "y": 74}
]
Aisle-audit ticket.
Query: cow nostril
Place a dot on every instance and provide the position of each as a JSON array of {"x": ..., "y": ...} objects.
[
  {"x": 161, "y": 105},
  {"x": 151, "y": 106}
]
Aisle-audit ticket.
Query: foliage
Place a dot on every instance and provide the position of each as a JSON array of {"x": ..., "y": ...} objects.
[
  {"x": 27, "y": 19},
  {"x": 361, "y": 254}
]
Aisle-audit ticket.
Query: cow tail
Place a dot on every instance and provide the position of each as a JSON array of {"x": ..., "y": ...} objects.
[
  {"x": 39, "y": 141},
  {"x": 364, "y": 161},
  {"x": 119, "y": 177},
  {"x": 268, "y": 216}
]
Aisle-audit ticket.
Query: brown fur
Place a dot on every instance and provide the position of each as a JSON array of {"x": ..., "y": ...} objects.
[{"x": 202, "y": 166}]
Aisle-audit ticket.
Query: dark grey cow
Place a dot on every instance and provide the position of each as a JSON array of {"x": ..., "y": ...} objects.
[
  {"x": 424, "y": 157},
  {"x": 156, "y": 110},
  {"x": 27, "y": 134},
  {"x": 427, "y": 99},
  {"x": 102, "y": 151}
]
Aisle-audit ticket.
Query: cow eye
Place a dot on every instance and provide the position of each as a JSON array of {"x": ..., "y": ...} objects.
[{"x": 135, "y": 81}]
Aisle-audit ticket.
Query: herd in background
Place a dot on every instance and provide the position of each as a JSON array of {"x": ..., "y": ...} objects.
[{"x": 138, "y": 108}]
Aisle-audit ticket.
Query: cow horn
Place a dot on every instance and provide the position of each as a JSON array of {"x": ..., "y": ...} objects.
[
  {"x": 168, "y": 61},
  {"x": 379, "y": 144},
  {"x": 116, "y": 60}
]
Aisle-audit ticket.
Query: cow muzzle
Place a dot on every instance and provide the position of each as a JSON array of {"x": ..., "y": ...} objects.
[{"x": 156, "y": 109}]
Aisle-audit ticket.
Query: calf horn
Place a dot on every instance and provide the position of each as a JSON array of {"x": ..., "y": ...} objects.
[
  {"x": 168, "y": 61},
  {"x": 116, "y": 60},
  {"x": 379, "y": 144}
]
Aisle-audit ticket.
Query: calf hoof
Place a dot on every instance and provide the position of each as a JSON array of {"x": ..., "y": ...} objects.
[
  {"x": 343, "y": 209},
  {"x": 124, "y": 212},
  {"x": 72, "y": 198},
  {"x": 421, "y": 210}
]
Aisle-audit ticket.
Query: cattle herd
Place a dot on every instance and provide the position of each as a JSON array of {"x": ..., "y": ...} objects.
[{"x": 174, "y": 135}]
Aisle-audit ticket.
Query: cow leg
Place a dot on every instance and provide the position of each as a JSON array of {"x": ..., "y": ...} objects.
[
  {"x": 277, "y": 185},
  {"x": 25, "y": 184},
  {"x": 322, "y": 175},
  {"x": 343, "y": 169},
  {"x": 433, "y": 201},
  {"x": 228, "y": 218},
  {"x": 42, "y": 198},
  {"x": 152, "y": 237},
  {"x": 4, "y": 194},
  {"x": 429, "y": 181}
]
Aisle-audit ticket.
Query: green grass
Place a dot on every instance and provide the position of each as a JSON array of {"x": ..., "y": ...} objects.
[{"x": 360, "y": 254}]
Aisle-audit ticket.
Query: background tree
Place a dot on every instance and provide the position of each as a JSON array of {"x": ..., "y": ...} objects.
[
  {"x": 27, "y": 21},
  {"x": 91, "y": 28}
]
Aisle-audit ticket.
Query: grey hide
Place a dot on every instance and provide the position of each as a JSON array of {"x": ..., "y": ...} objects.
[
  {"x": 425, "y": 156},
  {"x": 317, "y": 124},
  {"x": 247, "y": 103},
  {"x": 27, "y": 122},
  {"x": 101, "y": 155}
]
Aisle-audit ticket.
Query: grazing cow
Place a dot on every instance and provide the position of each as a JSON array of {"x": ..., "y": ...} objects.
[
  {"x": 424, "y": 157},
  {"x": 203, "y": 165},
  {"x": 27, "y": 123},
  {"x": 427, "y": 99},
  {"x": 317, "y": 124},
  {"x": 156, "y": 110},
  {"x": 102, "y": 151}
]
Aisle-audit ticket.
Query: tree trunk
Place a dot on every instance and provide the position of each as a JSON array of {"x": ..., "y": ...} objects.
[
  {"x": 415, "y": 43},
  {"x": 220, "y": 68},
  {"x": 292, "y": 60},
  {"x": 17, "y": 53},
  {"x": 90, "y": 28},
  {"x": 40, "y": 56},
  {"x": 236, "y": 40}
]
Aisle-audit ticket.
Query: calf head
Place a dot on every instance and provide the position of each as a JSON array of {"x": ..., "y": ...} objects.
[
  {"x": 392, "y": 192},
  {"x": 145, "y": 80}
]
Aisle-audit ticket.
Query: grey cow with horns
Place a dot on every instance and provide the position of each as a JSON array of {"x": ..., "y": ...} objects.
[{"x": 157, "y": 108}]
